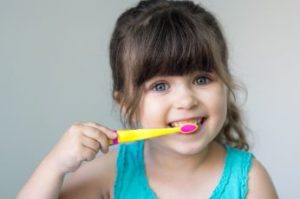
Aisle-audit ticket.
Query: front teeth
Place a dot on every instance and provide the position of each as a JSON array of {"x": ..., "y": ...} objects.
[{"x": 181, "y": 123}]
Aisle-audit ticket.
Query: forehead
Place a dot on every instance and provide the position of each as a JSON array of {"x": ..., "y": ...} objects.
[{"x": 171, "y": 43}]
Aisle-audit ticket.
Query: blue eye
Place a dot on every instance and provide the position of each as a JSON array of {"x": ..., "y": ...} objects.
[
  {"x": 202, "y": 80},
  {"x": 160, "y": 87}
]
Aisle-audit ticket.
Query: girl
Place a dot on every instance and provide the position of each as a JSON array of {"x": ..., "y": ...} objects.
[{"x": 169, "y": 67}]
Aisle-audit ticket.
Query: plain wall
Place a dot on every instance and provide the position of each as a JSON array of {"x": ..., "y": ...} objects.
[{"x": 55, "y": 71}]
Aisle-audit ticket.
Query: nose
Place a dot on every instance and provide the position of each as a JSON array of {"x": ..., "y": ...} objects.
[{"x": 185, "y": 99}]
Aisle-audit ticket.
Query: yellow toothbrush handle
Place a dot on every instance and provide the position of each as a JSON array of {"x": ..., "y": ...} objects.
[{"x": 141, "y": 134}]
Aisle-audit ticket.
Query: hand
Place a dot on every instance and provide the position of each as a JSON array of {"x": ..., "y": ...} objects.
[{"x": 81, "y": 142}]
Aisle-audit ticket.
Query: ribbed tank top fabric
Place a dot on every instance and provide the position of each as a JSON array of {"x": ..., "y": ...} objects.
[{"x": 131, "y": 181}]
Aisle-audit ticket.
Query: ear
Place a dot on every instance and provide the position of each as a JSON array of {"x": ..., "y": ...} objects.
[{"x": 118, "y": 97}]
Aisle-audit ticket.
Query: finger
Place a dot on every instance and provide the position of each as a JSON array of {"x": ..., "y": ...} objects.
[
  {"x": 98, "y": 136},
  {"x": 109, "y": 132},
  {"x": 90, "y": 143},
  {"x": 87, "y": 154}
]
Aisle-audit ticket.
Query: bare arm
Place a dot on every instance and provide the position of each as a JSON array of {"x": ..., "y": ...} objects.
[
  {"x": 81, "y": 142},
  {"x": 260, "y": 184},
  {"x": 45, "y": 182},
  {"x": 93, "y": 180}
]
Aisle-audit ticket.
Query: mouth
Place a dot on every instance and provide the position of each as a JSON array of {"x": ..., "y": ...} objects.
[{"x": 198, "y": 121}]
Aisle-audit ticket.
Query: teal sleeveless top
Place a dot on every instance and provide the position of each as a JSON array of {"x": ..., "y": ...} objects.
[{"x": 131, "y": 180}]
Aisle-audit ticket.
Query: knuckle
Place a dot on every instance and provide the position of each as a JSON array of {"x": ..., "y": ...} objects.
[
  {"x": 91, "y": 123},
  {"x": 75, "y": 127}
]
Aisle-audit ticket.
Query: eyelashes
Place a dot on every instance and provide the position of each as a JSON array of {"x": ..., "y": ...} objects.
[
  {"x": 202, "y": 80},
  {"x": 161, "y": 86}
]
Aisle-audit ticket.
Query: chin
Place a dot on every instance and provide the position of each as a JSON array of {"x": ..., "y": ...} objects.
[{"x": 190, "y": 148}]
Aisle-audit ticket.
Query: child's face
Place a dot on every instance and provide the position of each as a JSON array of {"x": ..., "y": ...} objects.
[{"x": 168, "y": 100}]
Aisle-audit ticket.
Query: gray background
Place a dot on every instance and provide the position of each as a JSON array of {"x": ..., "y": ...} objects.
[{"x": 55, "y": 71}]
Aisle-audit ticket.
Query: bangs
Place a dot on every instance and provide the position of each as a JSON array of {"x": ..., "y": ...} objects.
[{"x": 170, "y": 43}]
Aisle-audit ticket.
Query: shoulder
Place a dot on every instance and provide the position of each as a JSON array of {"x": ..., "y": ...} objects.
[
  {"x": 93, "y": 179},
  {"x": 260, "y": 184}
]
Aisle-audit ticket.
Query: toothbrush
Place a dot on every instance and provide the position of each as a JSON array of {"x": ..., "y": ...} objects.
[{"x": 142, "y": 134}]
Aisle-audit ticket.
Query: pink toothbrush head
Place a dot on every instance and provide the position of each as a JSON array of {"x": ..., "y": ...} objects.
[{"x": 188, "y": 128}]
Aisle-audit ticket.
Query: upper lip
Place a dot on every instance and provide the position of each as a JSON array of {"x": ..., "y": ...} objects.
[{"x": 186, "y": 119}]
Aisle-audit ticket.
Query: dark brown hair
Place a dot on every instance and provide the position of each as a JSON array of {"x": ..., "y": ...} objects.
[{"x": 161, "y": 37}]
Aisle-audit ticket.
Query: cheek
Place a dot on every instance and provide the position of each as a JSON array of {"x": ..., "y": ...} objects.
[
  {"x": 152, "y": 113},
  {"x": 215, "y": 103},
  {"x": 219, "y": 106}
]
